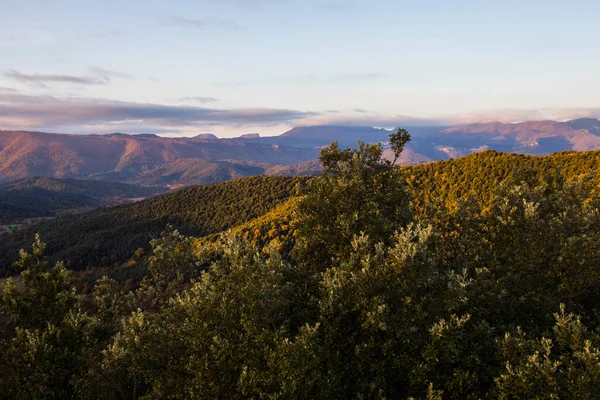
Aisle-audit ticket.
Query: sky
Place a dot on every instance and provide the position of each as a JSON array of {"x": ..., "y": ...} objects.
[{"x": 230, "y": 67}]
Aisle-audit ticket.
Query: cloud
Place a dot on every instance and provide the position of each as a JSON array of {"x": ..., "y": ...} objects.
[
  {"x": 199, "y": 99},
  {"x": 336, "y": 7},
  {"x": 341, "y": 77},
  {"x": 49, "y": 111},
  {"x": 502, "y": 115},
  {"x": 252, "y": 4},
  {"x": 98, "y": 76},
  {"x": 7, "y": 89},
  {"x": 509, "y": 115},
  {"x": 114, "y": 33},
  {"x": 19, "y": 111},
  {"x": 204, "y": 22},
  {"x": 43, "y": 79},
  {"x": 310, "y": 79},
  {"x": 8, "y": 41},
  {"x": 370, "y": 119},
  {"x": 29, "y": 37},
  {"x": 107, "y": 74}
]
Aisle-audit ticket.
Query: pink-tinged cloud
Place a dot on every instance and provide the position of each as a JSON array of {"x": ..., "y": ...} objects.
[
  {"x": 47, "y": 111},
  {"x": 107, "y": 73},
  {"x": 516, "y": 115},
  {"x": 19, "y": 111}
]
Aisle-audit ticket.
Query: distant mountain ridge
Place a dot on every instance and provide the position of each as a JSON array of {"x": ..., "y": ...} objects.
[
  {"x": 159, "y": 161},
  {"x": 140, "y": 159}
]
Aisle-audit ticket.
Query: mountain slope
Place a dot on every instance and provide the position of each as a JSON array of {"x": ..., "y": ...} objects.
[
  {"x": 108, "y": 235},
  {"x": 45, "y": 197},
  {"x": 436, "y": 184},
  {"x": 534, "y": 137},
  {"x": 132, "y": 158},
  {"x": 444, "y": 182}
]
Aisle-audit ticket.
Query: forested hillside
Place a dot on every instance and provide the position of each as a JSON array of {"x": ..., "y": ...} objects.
[
  {"x": 105, "y": 236},
  {"x": 45, "y": 197},
  {"x": 479, "y": 174},
  {"x": 370, "y": 294}
]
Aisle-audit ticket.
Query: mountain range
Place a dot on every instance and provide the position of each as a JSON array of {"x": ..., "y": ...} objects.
[{"x": 151, "y": 160}]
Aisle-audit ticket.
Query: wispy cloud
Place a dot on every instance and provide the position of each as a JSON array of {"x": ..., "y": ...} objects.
[
  {"x": 97, "y": 76},
  {"x": 370, "y": 119},
  {"x": 360, "y": 118},
  {"x": 200, "y": 23},
  {"x": 8, "y": 41},
  {"x": 30, "y": 37},
  {"x": 509, "y": 115},
  {"x": 309, "y": 79},
  {"x": 199, "y": 99},
  {"x": 7, "y": 90},
  {"x": 252, "y": 4},
  {"x": 342, "y": 77},
  {"x": 47, "y": 111},
  {"x": 43, "y": 79},
  {"x": 107, "y": 73},
  {"x": 114, "y": 33},
  {"x": 336, "y": 7}
]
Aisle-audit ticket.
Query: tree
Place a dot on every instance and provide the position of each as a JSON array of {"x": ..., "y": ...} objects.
[
  {"x": 46, "y": 351},
  {"x": 46, "y": 296},
  {"x": 358, "y": 193},
  {"x": 398, "y": 140},
  {"x": 171, "y": 264},
  {"x": 564, "y": 365}
]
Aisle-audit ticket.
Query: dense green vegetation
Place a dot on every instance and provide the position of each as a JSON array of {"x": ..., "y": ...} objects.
[
  {"x": 108, "y": 235},
  {"x": 489, "y": 296},
  {"x": 45, "y": 197},
  {"x": 479, "y": 174}
]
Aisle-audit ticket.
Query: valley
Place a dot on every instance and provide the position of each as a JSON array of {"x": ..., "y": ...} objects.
[{"x": 24, "y": 200}]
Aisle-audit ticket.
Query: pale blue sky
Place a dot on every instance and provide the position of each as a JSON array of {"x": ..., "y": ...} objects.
[{"x": 237, "y": 66}]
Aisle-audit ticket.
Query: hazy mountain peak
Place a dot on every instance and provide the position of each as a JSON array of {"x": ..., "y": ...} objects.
[
  {"x": 250, "y": 136},
  {"x": 206, "y": 136}
]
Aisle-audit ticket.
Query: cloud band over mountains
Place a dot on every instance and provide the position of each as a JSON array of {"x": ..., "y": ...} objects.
[
  {"x": 20, "y": 111},
  {"x": 17, "y": 110}
]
